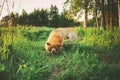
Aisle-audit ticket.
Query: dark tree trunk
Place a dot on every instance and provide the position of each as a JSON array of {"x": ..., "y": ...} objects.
[
  {"x": 110, "y": 14},
  {"x": 86, "y": 14},
  {"x": 106, "y": 19},
  {"x": 119, "y": 12},
  {"x": 85, "y": 20},
  {"x": 102, "y": 15}
]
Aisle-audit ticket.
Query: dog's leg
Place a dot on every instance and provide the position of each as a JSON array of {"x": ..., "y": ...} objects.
[{"x": 72, "y": 38}]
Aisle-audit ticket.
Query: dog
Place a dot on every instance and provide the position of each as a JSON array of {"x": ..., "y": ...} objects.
[{"x": 57, "y": 37}]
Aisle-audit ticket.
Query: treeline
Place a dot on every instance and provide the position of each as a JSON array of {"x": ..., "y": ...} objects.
[
  {"x": 39, "y": 17},
  {"x": 106, "y": 13}
]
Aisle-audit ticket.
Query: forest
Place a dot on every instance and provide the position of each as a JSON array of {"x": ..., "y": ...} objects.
[
  {"x": 95, "y": 57},
  {"x": 39, "y": 18}
]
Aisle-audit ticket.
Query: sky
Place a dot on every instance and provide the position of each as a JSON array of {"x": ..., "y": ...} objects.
[{"x": 29, "y": 5}]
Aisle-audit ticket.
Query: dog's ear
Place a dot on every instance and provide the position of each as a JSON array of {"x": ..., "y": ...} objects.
[{"x": 48, "y": 43}]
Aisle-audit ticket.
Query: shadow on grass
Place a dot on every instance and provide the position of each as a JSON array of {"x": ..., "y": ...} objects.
[
  {"x": 110, "y": 56},
  {"x": 82, "y": 48}
]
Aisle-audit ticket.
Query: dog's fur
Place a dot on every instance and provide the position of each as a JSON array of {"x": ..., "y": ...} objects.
[{"x": 57, "y": 37}]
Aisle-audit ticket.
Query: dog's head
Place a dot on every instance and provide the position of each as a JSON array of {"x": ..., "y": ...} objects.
[{"x": 52, "y": 48}]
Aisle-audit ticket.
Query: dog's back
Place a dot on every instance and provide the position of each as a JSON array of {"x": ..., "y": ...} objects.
[{"x": 56, "y": 38}]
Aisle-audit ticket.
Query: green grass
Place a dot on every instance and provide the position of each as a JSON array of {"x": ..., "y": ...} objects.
[{"x": 23, "y": 57}]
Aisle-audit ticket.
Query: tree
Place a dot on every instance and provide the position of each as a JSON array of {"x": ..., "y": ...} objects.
[
  {"x": 43, "y": 17},
  {"x": 10, "y": 20},
  {"x": 64, "y": 21},
  {"x": 110, "y": 3},
  {"x": 4, "y": 21},
  {"x": 95, "y": 12},
  {"x": 23, "y": 19},
  {"x": 34, "y": 18},
  {"x": 53, "y": 16},
  {"x": 119, "y": 13},
  {"x": 76, "y": 6},
  {"x": 13, "y": 19},
  {"x": 108, "y": 11}
]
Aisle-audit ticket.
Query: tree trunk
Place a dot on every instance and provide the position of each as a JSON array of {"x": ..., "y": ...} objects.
[
  {"x": 102, "y": 15},
  {"x": 95, "y": 13},
  {"x": 85, "y": 20},
  {"x": 111, "y": 21},
  {"x": 86, "y": 12},
  {"x": 101, "y": 22},
  {"x": 110, "y": 14},
  {"x": 106, "y": 19},
  {"x": 119, "y": 12}
]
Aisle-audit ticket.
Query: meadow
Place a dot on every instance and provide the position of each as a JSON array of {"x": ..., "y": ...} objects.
[{"x": 23, "y": 57}]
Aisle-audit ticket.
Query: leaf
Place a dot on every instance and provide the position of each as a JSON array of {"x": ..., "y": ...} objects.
[{"x": 2, "y": 67}]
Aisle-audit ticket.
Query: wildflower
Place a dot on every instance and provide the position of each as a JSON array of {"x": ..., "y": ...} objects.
[{"x": 24, "y": 66}]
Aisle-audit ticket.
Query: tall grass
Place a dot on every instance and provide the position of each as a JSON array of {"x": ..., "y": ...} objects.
[{"x": 23, "y": 57}]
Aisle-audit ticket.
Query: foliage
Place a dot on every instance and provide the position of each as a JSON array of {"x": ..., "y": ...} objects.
[
  {"x": 38, "y": 17},
  {"x": 9, "y": 20},
  {"x": 76, "y": 6},
  {"x": 105, "y": 12},
  {"x": 23, "y": 18},
  {"x": 23, "y": 57},
  {"x": 64, "y": 21},
  {"x": 53, "y": 17}
]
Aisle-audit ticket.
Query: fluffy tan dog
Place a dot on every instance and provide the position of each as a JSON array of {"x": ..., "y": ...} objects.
[{"x": 57, "y": 37}]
